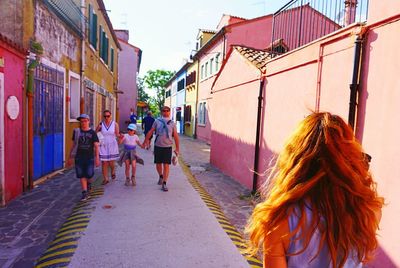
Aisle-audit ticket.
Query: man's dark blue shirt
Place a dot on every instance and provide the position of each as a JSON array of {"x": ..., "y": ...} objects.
[{"x": 148, "y": 123}]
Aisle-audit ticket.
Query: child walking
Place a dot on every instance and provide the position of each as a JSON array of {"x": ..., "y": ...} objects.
[
  {"x": 85, "y": 151},
  {"x": 129, "y": 155}
]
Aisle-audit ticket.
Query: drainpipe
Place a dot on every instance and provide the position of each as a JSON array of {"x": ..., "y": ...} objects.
[
  {"x": 355, "y": 81},
  {"x": 83, "y": 62},
  {"x": 257, "y": 144},
  {"x": 30, "y": 95}
]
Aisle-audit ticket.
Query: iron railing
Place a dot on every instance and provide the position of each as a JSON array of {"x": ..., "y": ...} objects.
[{"x": 301, "y": 21}]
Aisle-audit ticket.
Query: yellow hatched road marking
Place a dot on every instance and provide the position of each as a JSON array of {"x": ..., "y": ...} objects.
[
  {"x": 49, "y": 263},
  {"x": 64, "y": 238},
  {"x": 70, "y": 232},
  {"x": 73, "y": 226},
  {"x": 46, "y": 256},
  {"x": 63, "y": 245}
]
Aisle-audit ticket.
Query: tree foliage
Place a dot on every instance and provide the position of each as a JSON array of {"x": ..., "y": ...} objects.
[{"x": 156, "y": 80}]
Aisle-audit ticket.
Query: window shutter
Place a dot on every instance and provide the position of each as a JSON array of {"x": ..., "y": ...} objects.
[
  {"x": 94, "y": 31},
  {"x": 90, "y": 28},
  {"x": 112, "y": 60},
  {"x": 106, "y": 51},
  {"x": 100, "y": 40}
]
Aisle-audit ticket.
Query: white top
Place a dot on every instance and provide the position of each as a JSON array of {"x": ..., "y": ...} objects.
[{"x": 130, "y": 141}]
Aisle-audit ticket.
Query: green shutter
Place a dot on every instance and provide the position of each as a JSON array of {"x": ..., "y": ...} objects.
[
  {"x": 90, "y": 34},
  {"x": 95, "y": 31},
  {"x": 106, "y": 52},
  {"x": 100, "y": 41},
  {"x": 112, "y": 60}
]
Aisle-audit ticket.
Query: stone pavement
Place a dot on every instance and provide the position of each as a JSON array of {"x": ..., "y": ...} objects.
[{"x": 29, "y": 223}]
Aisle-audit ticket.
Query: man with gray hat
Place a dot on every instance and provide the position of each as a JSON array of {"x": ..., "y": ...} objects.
[{"x": 85, "y": 151}]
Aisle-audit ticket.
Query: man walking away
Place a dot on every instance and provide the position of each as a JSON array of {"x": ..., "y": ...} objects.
[
  {"x": 166, "y": 134},
  {"x": 85, "y": 151},
  {"x": 147, "y": 123}
]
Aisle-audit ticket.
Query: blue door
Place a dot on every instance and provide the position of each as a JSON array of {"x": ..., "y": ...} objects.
[{"x": 48, "y": 131}]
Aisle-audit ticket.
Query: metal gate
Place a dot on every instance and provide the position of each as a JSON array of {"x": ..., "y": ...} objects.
[{"x": 48, "y": 124}]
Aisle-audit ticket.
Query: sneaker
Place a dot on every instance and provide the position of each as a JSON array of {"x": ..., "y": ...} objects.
[
  {"x": 127, "y": 181},
  {"x": 133, "y": 181},
  {"x": 85, "y": 196},
  {"x": 160, "y": 181},
  {"x": 164, "y": 187}
]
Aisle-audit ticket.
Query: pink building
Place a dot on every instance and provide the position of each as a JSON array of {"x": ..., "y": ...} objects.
[
  {"x": 317, "y": 76},
  {"x": 12, "y": 73},
  {"x": 128, "y": 69},
  {"x": 231, "y": 30}
]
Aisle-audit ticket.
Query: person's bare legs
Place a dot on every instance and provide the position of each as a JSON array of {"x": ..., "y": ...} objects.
[
  {"x": 133, "y": 173},
  {"x": 112, "y": 165},
  {"x": 165, "y": 172},
  {"x": 127, "y": 168},
  {"x": 160, "y": 173},
  {"x": 104, "y": 169},
  {"x": 84, "y": 184}
]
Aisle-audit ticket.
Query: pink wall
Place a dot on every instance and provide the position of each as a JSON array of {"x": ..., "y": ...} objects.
[
  {"x": 13, "y": 70},
  {"x": 233, "y": 138},
  {"x": 127, "y": 74},
  {"x": 379, "y": 129},
  {"x": 318, "y": 76}
]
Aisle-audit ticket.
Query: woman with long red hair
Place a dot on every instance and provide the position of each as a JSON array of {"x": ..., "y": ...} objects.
[{"x": 321, "y": 207}]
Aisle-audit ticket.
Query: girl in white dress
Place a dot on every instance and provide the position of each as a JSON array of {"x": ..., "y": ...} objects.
[{"x": 109, "y": 152}]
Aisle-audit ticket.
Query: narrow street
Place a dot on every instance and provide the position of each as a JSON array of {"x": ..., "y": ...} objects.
[{"x": 195, "y": 224}]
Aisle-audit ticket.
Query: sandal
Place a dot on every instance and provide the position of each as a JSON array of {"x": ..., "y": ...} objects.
[
  {"x": 113, "y": 176},
  {"x": 133, "y": 181},
  {"x": 104, "y": 182}
]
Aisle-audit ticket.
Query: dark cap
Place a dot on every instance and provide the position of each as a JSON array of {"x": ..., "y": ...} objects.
[{"x": 83, "y": 116}]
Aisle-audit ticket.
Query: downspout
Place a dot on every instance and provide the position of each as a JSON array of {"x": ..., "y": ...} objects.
[
  {"x": 257, "y": 144},
  {"x": 82, "y": 99},
  {"x": 355, "y": 81},
  {"x": 30, "y": 95}
]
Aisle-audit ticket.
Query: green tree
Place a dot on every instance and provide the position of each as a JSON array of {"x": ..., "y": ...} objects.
[
  {"x": 142, "y": 94},
  {"x": 156, "y": 80}
]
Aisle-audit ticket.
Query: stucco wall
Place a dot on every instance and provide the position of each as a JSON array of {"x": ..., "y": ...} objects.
[
  {"x": 127, "y": 68},
  {"x": 234, "y": 116},
  {"x": 378, "y": 129},
  {"x": 14, "y": 71}
]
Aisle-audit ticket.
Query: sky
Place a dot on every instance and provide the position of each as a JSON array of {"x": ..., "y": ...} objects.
[{"x": 166, "y": 31}]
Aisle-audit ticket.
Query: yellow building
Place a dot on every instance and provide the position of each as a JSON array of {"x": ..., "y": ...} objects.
[
  {"x": 191, "y": 99},
  {"x": 100, "y": 74}
]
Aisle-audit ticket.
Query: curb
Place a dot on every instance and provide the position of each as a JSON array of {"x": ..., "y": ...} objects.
[
  {"x": 229, "y": 229},
  {"x": 60, "y": 251}
]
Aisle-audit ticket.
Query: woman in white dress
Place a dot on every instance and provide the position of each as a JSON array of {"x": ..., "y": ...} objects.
[{"x": 109, "y": 152}]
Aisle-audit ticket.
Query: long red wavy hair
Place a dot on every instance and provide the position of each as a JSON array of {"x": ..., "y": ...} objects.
[{"x": 322, "y": 163}]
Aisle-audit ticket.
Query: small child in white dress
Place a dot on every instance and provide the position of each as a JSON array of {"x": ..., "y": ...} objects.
[{"x": 129, "y": 155}]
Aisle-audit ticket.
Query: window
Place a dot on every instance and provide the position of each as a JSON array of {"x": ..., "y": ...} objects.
[
  {"x": 211, "y": 66},
  {"x": 217, "y": 65},
  {"x": 202, "y": 113},
  {"x": 181, "y": 84},
  {"x": 206, "y": 74},
  {"x": 202, "y": 72},
  {"x": 74, "y": 96},
  {"x": 188, "y": 114},
  {"x": 168, "y": 93},
  {"x": 92, "y": 36}
]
